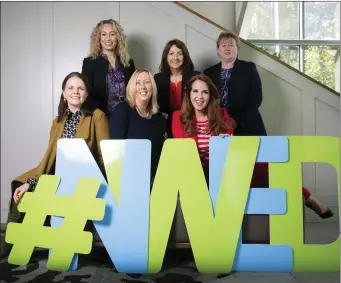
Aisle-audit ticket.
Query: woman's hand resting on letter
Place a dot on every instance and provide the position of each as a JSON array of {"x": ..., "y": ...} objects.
[{"x": 20, "y": 191}]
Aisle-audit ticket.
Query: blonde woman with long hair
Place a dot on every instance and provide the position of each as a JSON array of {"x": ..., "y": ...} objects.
[
  {"x": 109, "y": 66},
  {"x": 139, "y": 117}
]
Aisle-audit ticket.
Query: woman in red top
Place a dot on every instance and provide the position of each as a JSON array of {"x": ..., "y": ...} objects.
[
  {"x": 201, "y": 117},
  {"x": 175, "y": 69}
]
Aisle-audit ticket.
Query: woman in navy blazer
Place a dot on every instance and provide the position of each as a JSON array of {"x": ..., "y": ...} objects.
[
  {"x": 241, "y": 95},
  {"x": 109, "y": 66},
  {"x": 240, "y": 87},
  {"x": 176, "y": 69}
]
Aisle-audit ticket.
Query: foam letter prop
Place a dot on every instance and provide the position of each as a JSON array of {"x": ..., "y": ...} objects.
[
  {"x": 124, "y": 228},
  {"x": 31, "y": 232},
  {"x": 274, "y": 258},
  {"x": 213, "y": 239},
  {"x": 288, "y": 228}
]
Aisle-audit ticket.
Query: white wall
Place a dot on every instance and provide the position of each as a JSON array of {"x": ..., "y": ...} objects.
[
  {"x": 51, "y": 40},
  {"x": 222, "y": 13},
  {"x": 26, "y": 88}
]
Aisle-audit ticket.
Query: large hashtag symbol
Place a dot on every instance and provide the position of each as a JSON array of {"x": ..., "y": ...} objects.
[{"x": 64, "y": 241}]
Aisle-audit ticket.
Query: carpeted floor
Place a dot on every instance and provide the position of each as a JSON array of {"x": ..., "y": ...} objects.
[{"x": 178, "y": 267}]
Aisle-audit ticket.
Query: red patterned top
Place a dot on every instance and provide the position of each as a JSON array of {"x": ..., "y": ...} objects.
[{"x": 203, "y": 136}]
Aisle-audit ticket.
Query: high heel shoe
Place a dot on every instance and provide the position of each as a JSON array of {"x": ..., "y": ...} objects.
[{"x": 319, "y": 208}]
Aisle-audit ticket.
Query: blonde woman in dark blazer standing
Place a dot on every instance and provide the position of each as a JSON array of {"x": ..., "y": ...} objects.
[{"x": 109, "y": 66}]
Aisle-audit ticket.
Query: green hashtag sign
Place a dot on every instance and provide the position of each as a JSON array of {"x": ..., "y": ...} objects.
[{"x": 64, "y": 241}]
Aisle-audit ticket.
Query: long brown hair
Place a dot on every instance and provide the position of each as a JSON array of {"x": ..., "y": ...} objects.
[
  {"x": 215, "y": 117},
  {"x": 88, "y": 105},
  {"x": 187, "y": 66}
]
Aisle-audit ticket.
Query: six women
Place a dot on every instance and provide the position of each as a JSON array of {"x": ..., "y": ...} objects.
[{"x": 110, "y": 100}]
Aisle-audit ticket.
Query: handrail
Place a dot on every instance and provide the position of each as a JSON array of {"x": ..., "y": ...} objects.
[{"x": 257, "y": 48}]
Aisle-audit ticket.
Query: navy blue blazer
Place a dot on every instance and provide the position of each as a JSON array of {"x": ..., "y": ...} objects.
[{"x": 244, "y": 97}]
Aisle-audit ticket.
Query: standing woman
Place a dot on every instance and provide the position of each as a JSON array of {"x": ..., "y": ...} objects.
[
  {"x": 175, "y": 70},
  {"x": 201, "y": 117},
  {"x": 241, "y": 95},
  {"x": 109, "y": 66},
  {"x": 239, "y": 85}
]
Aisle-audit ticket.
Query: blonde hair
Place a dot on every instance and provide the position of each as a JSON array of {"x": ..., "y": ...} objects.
[
  {"x": 227, "y": 34},
  {"x": 152, "y": 107},
  {"x": 122, "y": 43}
]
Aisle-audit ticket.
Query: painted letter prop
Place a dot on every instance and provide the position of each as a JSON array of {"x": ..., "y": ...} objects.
[{"x": 135, "y": 225}]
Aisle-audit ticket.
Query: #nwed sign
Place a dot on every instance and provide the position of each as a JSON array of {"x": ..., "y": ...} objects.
[{"x": 134, "y": 225}]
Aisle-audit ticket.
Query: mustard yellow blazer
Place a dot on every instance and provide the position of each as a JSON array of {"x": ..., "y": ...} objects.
[{"x": 92, "y": 128}]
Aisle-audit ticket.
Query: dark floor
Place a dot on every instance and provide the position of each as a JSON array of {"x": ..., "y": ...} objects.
[{"x": 178, "y": 268}]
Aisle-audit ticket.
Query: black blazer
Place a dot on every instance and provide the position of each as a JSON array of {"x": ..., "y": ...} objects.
[
  {"x": 126, "y": 123},
  {"x": 96, "y": 71},
  {"x": 162, "y": 81},
  {"x": 244, "y": 97}
]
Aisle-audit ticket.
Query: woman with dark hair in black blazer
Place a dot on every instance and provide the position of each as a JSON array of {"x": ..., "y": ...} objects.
[
  {"x": 176, "y": 69},
  {"x": 109, "y": 66},
  {"x": 241, "y": 95}
]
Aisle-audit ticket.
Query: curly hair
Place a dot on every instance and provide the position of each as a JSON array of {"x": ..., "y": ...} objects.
[
  {"x": 187, "y": 66},
  {"x": 215, "y": 117},
  {"x": 122, "y": 42}
]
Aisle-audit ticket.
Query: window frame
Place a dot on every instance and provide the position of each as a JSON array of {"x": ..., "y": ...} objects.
[{"x": 301, "y": 42}]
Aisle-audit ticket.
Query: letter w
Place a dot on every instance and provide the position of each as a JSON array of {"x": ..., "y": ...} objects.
[{"x": 214, "y": 239}]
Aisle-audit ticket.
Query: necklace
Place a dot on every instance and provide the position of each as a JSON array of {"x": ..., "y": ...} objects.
[{"x": 140, "y": 113}]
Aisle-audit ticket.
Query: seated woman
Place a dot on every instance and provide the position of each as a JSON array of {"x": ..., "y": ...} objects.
[
  {"x": 139, "y": 117},
  {"x": 109, "y": 66},
  {"x": 76, "y": 119},
  {"x": 201, "y": 117},
  {"x": 175, "y": 69}
]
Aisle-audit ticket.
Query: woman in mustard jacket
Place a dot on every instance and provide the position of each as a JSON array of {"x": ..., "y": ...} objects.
[{"x": 76, "y": 119}]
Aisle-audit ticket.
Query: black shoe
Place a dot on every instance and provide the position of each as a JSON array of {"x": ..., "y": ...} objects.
[
  {"x": 318, "y": 208},
  {"x": 327, "y": 214},
  {"x": 5, "y": 248},
  {"x": 4, "y": 254}
]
